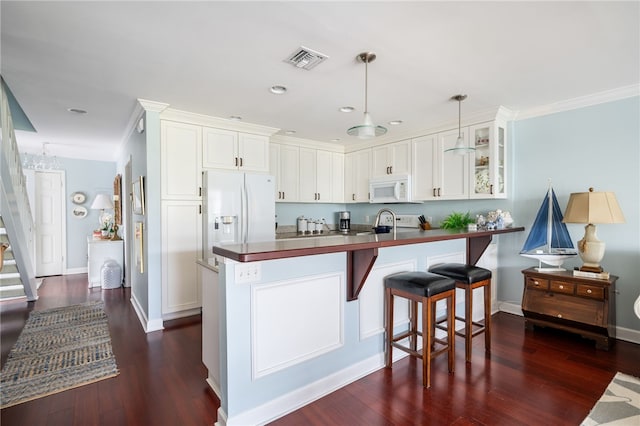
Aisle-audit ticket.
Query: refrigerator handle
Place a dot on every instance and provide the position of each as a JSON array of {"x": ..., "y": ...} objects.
[{"x": 244, "y": 208}]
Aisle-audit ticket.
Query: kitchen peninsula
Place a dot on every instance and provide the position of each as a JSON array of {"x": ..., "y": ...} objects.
[{"x": 288, "y": 321}]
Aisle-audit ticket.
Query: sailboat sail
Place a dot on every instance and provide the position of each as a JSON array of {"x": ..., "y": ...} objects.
[{"x": 549, "y": 241}]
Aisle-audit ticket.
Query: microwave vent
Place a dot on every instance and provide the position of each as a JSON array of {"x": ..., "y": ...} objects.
[{"x": 305, "y": 58}]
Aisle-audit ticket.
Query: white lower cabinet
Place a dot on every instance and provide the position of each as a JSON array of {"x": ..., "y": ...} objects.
[
  {"x": 210, "y": 326},
  {"x": 98, "y": 252},
  {"x": 181, "y": 248}
]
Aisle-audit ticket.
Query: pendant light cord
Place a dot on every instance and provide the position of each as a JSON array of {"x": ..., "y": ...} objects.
[
  {"x": 366, "y": 82},
  {"x": 459, "y": 117}
]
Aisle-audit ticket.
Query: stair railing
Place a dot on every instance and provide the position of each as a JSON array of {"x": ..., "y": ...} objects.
[{"x": 14, "y": 202}]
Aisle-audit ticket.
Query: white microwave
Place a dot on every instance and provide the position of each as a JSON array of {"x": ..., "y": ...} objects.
[{"x": 390, "y": 189}]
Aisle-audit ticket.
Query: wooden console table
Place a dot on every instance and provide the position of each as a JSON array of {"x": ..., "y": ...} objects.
[{"x": 580, "y": 305}]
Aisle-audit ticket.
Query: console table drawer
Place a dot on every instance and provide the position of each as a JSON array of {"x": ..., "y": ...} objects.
[
  {"x": 590, "y": 291},
  {"x": 537, "y": 283},
  {"x": 565, "y": 307},
  {"x": 562, "y": 287}
]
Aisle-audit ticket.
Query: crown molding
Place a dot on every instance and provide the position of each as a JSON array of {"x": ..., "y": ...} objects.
[
  {"x": 152, "y": 106},
  {"x": 307, "y": 143},
  {"x": 580, "y": 102},
  {"x": 216, "y": 122}
]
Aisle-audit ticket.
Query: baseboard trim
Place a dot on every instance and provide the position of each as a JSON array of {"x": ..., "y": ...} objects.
[
  {"x": 147, "y": 326},
  {"x": 300, "y": 397},
  {"x": 622, "y": 333},
  {"x": 73, "y": 271}
]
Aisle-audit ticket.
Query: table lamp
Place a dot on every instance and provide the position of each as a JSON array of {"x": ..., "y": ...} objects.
[
  {"x": 102, "y": 202},
  {"x": 592, "y": 208}
]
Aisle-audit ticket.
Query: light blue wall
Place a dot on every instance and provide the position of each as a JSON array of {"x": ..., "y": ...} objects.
[
  {"x": 599, "y": 147},
  {"x": 91, "y": 178},
  {"x": 134, "y": 151}
]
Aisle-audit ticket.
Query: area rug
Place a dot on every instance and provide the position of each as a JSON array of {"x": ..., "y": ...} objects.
[
  {"x": 619, "y": 405},
  {"x": 58, "y": 349}
]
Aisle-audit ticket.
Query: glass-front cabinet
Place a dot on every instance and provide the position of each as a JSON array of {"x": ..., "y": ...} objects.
[{"x": 489, "y": 161}]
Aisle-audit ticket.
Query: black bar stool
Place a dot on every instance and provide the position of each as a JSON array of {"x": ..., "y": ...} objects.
[
  {"x": 468, "y": 278},
  {"x": 425, "y": 288}
]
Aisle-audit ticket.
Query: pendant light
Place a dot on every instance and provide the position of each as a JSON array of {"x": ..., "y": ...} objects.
[
  {"x": 367, "y": 129},
  {"x": 460, "y": 148}
]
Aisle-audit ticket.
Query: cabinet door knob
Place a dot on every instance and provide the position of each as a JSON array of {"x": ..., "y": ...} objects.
[
  {"x": 353, "y": 197},
  {"x": 434, "y": 192},
  {"x": 438, "y": 192},
  {"x": 236, "y": 161},
  {"x": 240, "y": 161},
  {"x": 559, "y": 315},
  {"x": 491, "y": 189},
  {"x": 589, "y": 291},
  {"x": 536, "y": 283},
  {"x": 561, "y": 287}
]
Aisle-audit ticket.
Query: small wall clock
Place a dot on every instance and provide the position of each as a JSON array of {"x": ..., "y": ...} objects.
[{"x": 78, "y": 197}]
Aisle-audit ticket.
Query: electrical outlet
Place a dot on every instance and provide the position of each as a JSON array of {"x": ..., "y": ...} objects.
[
  {"x": 250, "y": 272},
  {"x": 387, "y": 220}
]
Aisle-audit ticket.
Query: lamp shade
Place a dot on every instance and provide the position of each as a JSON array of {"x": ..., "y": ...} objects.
[
  {"x": 593, "y": 207},
  {"x": 101, "y": 202}
]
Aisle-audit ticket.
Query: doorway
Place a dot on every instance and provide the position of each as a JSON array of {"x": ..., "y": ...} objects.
[{"x": 49, "y": 206}]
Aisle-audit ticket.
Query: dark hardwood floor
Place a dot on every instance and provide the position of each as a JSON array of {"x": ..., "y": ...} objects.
[
  {"x": 531, "y": 377},
  {"x": 161, "y": 380}
]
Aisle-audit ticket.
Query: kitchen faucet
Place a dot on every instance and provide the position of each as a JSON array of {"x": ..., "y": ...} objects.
[{"x": 393, "y": 216}]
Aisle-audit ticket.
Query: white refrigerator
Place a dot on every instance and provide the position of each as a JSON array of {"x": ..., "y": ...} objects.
[{"x": 238, "y": 207}]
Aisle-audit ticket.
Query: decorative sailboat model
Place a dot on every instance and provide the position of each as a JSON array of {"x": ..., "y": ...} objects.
[{"x": 549, "y": 241}]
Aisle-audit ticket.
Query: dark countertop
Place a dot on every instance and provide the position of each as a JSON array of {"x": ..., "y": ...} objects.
[{"x": 306, "y": 246}]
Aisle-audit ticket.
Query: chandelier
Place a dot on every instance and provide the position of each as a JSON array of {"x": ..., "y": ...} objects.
[{"x": 42, "y": 161}]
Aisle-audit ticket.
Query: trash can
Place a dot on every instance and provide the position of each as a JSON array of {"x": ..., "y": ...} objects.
[{"x": 110, "y": 274}]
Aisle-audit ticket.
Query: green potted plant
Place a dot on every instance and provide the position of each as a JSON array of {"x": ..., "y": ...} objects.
[{"x": 457, "y": 220}]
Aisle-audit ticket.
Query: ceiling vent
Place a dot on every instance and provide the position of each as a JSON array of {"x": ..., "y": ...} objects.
[{"x": 305, "y": 58}]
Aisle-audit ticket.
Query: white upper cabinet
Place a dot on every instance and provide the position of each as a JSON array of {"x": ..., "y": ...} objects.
[
  {"x": 253, "y": 151},
  {"x": 319, "y": 175},
  {"x": 489, "y": 162},
  {"x": 337, "y": 177},
  {"x": 180, "y": 161},
  {"x": 439, "y": 175},
  {"x": 285, "y": 166},
  {"x": 357, "y": 174},
  {"x": 425, "y": 168},
  {"x": 391, "y": 159},
  {"x": 230, "y": 150},
  {"x": 454, "y": 168}
]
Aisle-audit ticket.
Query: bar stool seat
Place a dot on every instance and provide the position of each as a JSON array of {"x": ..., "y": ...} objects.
[
  {"x": 468, "y": 278},
  {"x": 425, "y": 288}
]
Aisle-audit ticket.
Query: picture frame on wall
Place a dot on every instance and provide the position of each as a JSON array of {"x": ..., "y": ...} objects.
[
  {"x": 137, "y": 196},
  {"x": 139, "y": 246}
]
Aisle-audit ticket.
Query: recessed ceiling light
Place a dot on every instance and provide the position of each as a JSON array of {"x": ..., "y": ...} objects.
[
  {"x": 77, "y": 110},
  {"x": 395, "y": 122},
  {"x": 347, "y": 109},
  {"x": 335, "y": 140},
  {"x": 235, "y": 118},
  {"x": 289, "y": 132},
  {"x": 278, "y": 90}
]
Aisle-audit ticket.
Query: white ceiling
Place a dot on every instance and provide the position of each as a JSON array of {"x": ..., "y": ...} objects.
[{"x": 220, "y": 58}]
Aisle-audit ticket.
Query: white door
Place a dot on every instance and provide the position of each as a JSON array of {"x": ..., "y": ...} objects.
[{"x": 49, "y": 223}]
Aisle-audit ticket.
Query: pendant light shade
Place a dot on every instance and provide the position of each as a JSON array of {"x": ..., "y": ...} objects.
[
  {"x": 460, "y": 148},
  {"x": 367, "y": 129}
]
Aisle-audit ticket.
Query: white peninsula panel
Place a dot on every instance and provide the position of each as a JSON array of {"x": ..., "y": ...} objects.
[{"x": 295, "y": 320}]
